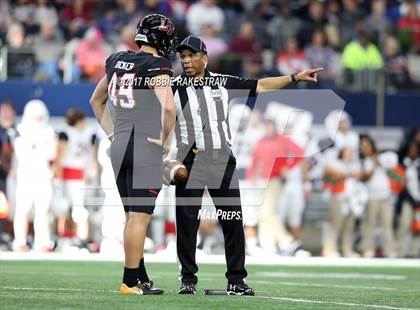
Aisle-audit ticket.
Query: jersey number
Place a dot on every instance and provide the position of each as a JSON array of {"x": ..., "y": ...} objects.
[{"x": 120, "y": 90}]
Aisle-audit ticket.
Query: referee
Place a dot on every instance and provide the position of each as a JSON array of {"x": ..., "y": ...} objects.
[{"x": 203, "y": 142}]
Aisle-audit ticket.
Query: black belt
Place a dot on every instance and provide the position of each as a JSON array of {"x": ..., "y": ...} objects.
[{"x": 214, "y": 153}]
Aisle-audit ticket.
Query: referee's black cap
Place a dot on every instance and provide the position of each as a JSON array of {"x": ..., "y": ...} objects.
[{"x": 193, "y": 43}]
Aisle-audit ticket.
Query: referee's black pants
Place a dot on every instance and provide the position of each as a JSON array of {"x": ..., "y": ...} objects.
[{"x": 215, "y": 169}]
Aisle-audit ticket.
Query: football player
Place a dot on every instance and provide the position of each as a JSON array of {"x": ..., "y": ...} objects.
[
  {"x": 75, "y": 145},
  {"x": 35, "y": 149},
  {"x": 138, "y": 84}
]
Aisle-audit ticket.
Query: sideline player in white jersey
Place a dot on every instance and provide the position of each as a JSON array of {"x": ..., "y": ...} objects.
[
  {"x": 74, "y": 152},
  {"x": 35, "y": 149}
]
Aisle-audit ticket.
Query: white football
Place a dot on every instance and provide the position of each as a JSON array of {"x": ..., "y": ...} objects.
[{"x": 175, "y": 172}]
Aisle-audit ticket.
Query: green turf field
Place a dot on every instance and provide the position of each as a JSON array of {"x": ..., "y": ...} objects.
[{"x": 94, "y": 285}]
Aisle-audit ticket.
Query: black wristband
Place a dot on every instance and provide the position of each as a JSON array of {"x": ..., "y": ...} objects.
[{"x": 293, "y": 77}]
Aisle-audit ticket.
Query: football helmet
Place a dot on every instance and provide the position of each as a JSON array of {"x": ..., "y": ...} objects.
[{"x": 157, "y": 31}]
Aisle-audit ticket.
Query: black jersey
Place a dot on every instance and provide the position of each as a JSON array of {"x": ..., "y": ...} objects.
[
  {"x": 136, "y": 106},
  {"x": 5, "y": 143}
]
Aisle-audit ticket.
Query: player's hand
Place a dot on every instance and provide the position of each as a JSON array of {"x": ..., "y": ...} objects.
[
  {"x": 284, "y": 173},
  {"x": 310, "y": 75},
  {"x": 111, "y": 137},
  {"x": 165, "y": 181},
  {"x": 376, "y": 160},
  {"x": 57, "y": 171},
  {"x": 155, "y": 141},
  {"x": 166, "y": 161},
  {"x": 159, "y": 142}
]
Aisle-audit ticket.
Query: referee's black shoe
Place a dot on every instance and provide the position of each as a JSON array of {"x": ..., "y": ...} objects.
[
  {"x": 148, "y": 289},
  {"x": 240, "y": 289},
  {"x": 188, "y": 289}
]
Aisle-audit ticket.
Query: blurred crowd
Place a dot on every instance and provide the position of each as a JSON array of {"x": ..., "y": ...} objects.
[
  {"x": 372, "y": 195},
  {"x": 57, "y": 187},
  {"x": 356, "y": 41}
]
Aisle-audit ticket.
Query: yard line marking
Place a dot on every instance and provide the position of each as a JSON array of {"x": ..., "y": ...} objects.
[
  {"x": 332, "y": 275},
  {"x": 288, "y": 283},
  {"x": 57, "y": 289},
  {"x": 338, "y": 303},
  {"x": 349, "y": 304},
  {"x": 60, "y": 273},
  {"x": 326, "y": 285}
]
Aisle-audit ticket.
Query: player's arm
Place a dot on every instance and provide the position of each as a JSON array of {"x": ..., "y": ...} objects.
[
  {"x": 98, "y": 103},
  {"x": 62, "y": 146},
  {"x": 366, "y": 175},
  {"x": 6, "y": 157},
  {"x": 163, "y": 91},
  {"x": 278, "y": 82},
  {"x": 296, "y": 151},
  {"x": 250, "y": 173},
  {"x": 334, "y": 173}
]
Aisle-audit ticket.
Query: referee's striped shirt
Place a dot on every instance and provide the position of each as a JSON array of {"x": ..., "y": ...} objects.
[{"x": 202, "y": 111}]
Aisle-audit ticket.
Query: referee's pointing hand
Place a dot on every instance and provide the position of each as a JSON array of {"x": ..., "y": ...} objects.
[{"x": 310, "y": 75}]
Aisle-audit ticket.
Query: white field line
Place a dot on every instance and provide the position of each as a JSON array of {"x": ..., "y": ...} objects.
[
  {"x": 300, "y": 284},
  {"x": 332, "y": 275},
  {"x": 284, "y": 283},
  {"x": 338, "y": 303},
  {"x": 57, "y": 289},
  {"x": 358, "y": 287},
  {"x": 297, "y": 300},
  {"x": 56, "y": 273},
  {"x": 220, "y": 259}
]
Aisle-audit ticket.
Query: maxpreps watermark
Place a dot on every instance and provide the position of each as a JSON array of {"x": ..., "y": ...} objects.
[
  {"x": 204, "y": 214},
  {"x": 156, "y": 81}
]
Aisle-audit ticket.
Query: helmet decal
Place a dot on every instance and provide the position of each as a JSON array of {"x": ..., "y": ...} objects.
[{"x": 158, "y": 31}]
